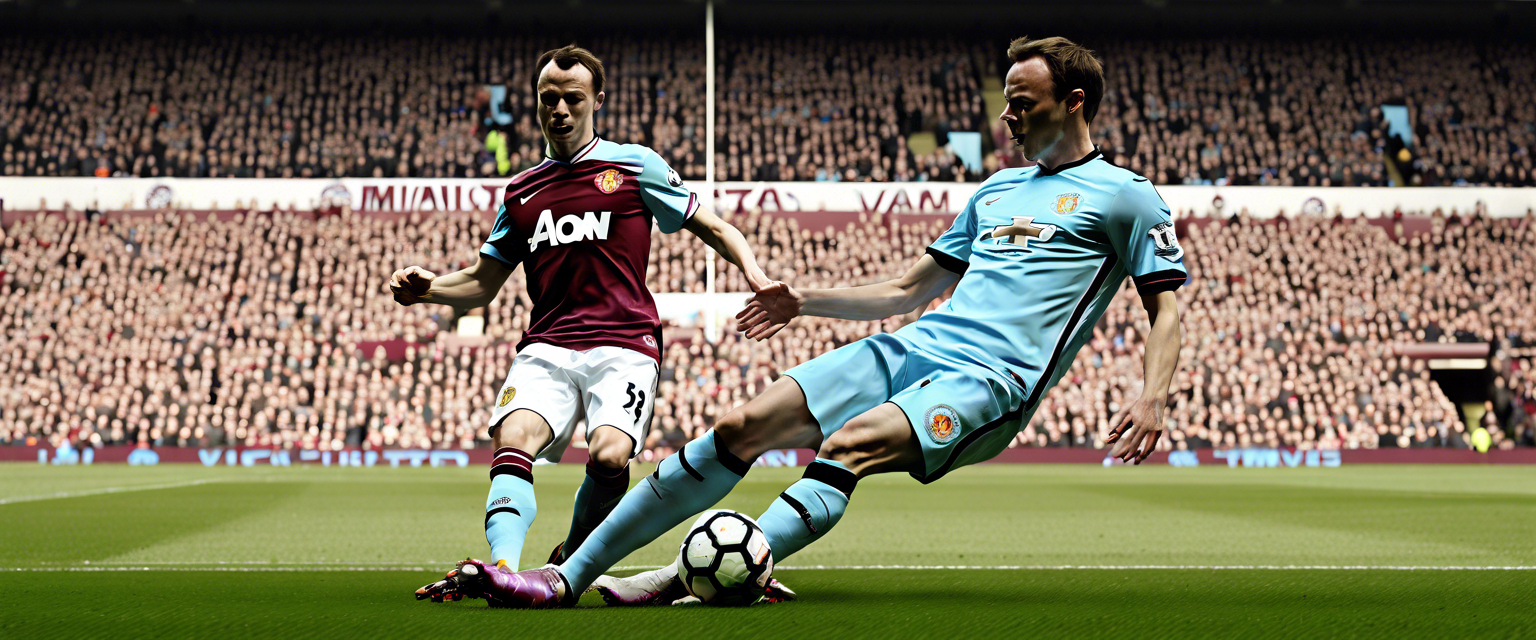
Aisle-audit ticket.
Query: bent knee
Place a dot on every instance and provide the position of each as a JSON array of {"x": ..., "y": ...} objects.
[
  {"x": 524, "y": 430},
  {"x": 610, "y": 448},
  {"x": 733, "y": 427},
  {"x": 858, "y": 445},
  {"x": 853, "y": 440},
  {"x": 747, "y": 433}
]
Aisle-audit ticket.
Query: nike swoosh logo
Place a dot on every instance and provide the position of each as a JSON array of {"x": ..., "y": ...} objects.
[
  {"x": 994, "y": 200},
  {"x": 524, "y": 200}
]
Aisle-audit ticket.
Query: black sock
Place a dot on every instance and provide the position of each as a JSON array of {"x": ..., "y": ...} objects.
[{"x": 598, "y": 495}]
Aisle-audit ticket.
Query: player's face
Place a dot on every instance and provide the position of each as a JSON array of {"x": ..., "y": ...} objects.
[
  {"x": 566, "y": 103},
  {"x": 1034, "y": 117}
]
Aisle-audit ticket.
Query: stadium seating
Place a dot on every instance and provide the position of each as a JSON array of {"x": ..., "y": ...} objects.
[
  {"x": 155, "y": 329},
  {"x": 1214, "y": 111}
]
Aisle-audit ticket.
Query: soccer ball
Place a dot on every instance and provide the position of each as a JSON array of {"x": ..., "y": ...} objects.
[{"x": 725, "y": 559}]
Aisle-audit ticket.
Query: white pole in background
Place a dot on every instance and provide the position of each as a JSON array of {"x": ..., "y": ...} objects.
[{"x": 711, "y": 321}]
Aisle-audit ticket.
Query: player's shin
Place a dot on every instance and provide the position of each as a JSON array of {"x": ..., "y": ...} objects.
[
  {"x": 598, "y": 495},
  {"x": 687, "y": 482},
  {"x": 510, "y": 507},
  {"x": 809, "y": 508}
]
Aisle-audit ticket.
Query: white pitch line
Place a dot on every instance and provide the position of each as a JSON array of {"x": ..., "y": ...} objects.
[
  {"x": 104, "y": 490},
  {"x": 215, "y": 569},
  {"x": 320, "y": 567},
  {"x": 1173, "y": 567},
  {"x": 245, "y": 563}
]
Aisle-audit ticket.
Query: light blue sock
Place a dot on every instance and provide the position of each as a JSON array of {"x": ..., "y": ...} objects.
[
  {"x": 808, "y": 509},
  {"x": 509, "y": 507},
  {"x": 684, "y": 484}
]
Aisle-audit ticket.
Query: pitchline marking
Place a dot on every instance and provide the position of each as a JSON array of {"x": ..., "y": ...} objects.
[
  {"x": 327, "y": 567},
  {"x": 97, "y": 492}
]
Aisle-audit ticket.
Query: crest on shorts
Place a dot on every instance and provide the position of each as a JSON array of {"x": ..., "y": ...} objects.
[
  {"x": 609, "y": 181},
  {"x": 506, "y": 396},
  {"x": 649, "y": 341},
  {"x": 943, "y": 423},
  {"x": 1067, "y": 203}
]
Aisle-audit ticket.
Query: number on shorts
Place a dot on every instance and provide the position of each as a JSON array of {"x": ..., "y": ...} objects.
[{"x": 636, "y": 400}]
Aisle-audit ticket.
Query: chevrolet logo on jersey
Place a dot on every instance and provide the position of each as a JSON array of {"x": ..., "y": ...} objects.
[
  {"x": 1022, "y": 231},
  {"x": 570, "y": 228}
]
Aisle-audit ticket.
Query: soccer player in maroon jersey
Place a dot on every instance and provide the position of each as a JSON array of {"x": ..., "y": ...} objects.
[{"x": 580, "y": 224}]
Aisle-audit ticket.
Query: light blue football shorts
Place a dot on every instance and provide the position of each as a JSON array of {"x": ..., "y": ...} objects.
[{"x": 962, "y": 412}]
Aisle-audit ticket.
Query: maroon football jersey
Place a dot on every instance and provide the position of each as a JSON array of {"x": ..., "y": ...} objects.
[{"x": 582, "y": 231}]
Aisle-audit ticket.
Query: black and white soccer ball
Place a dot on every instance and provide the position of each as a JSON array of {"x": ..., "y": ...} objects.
[{"x": 725, "y": 560}]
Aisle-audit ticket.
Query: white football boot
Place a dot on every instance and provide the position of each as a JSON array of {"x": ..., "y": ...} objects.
[{"x": 661, "y": 587}]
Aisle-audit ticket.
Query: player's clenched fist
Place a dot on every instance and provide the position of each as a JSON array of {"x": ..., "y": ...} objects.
[{"x": 410, "y": 285}]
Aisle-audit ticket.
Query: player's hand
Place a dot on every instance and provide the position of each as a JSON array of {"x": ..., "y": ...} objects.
[
  {"x": 769, "y": 310},
  {"x": 410, "y": 285},
  {"x": 1136, "y": 430}
]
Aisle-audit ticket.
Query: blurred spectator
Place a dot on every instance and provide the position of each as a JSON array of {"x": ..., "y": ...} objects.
[
  {"x": 1308, "y": 112},
  {"x": 316, "y": 106},
  {"x": 1211, "y": 111},
  {"x": 158, "y": 330},
  {"x": 837, "y": 108}
]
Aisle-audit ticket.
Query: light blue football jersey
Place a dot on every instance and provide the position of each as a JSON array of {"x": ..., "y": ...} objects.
[{"x": 1028, "y": 300}]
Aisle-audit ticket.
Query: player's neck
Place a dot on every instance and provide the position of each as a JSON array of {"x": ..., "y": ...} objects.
[
  {"x": 1071, "y": 148},
  {"x": 565, "y": 155}
]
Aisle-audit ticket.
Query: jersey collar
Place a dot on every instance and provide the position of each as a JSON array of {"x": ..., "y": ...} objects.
[
  {"x": 549, "y": 152},
  {"x": 1075, "y": 163}
]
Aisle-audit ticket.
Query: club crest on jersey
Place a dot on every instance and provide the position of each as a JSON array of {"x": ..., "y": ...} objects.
[
  {"x": 609, "y": 181},
  {"x": 1067, "y": 203},
  {"x": 507, "y": 395},
  {"x": 943, "y": 423},
  {"x": 649, "y": 341}
]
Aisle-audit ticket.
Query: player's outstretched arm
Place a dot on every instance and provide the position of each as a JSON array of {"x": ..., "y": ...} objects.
[
  {"x": 468, "y": 288},
  {"x": 727, "y": 239},
  {"x": 771, "y": 310},
  {"x": 1136, "y": 430}
]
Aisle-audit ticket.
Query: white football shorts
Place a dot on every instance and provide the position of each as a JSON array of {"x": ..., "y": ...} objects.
[{"x": 610, "y": 386}]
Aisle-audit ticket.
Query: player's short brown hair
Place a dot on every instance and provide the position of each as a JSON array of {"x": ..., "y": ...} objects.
[
  {"x": 1072, "y": 66},
  {"x": 569, "y": 56}
]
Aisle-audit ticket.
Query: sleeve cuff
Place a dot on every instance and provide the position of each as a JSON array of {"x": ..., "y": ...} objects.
[
  {"x": 687, "y": 212},
  {"x": 491, "y": 253},
  {"x": 1160, "y": 281},
  {"x": 949, "y": 262}
]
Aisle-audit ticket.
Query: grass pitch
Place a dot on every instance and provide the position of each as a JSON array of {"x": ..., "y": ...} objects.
[{"x": 1019, "y": 551}]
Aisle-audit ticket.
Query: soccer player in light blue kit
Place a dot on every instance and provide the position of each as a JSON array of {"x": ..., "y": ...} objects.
[{"x": 1038, "y": 254}]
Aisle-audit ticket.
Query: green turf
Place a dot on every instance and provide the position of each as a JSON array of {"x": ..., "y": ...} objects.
[{"x": 219, "y": 554}]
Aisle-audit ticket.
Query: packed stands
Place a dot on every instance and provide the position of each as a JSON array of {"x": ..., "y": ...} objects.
[
  {"x": 1210, "y": 111},
  {"x": 157, "y": 329},
  {"x": 262, "y": 105}
]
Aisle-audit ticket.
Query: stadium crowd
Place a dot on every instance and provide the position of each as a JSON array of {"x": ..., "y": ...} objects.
[
  {"x": 157, "y": 330},
  {"x": 263, "y": 105},
  {"x": 1211, "y": 111}
]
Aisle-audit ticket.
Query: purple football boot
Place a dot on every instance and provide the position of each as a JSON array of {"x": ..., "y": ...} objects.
[{"x": 531, "y": 589}]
